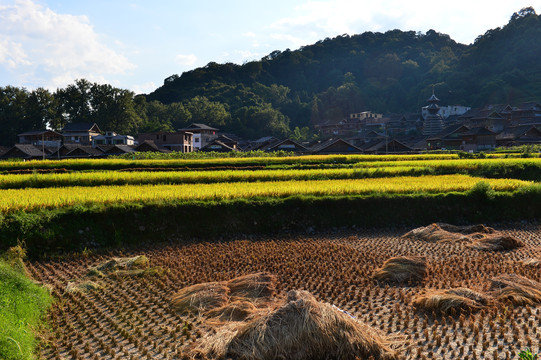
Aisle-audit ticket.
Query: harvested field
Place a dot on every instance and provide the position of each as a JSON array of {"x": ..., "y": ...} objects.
[{"x": 131, "y": 317}]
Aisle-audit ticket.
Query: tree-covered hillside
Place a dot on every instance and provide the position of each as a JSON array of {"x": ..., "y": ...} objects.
[
  {"x": 285, "y": 90},
  {"x": 383, "y": 72}
]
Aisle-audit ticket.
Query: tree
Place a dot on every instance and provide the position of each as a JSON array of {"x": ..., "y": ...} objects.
[
  {"x": 13, "y": 119},
  {"x": 208, "y": 112}
]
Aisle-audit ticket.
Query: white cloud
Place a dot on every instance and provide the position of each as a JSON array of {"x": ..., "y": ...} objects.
[
  {"x": 56, "y": 47},
  {"x": 145, "y": 88},
  {"x": 12, "y": 54},
  {"x": 186, "y": 59},
  {"x": 462, "y": 20}
]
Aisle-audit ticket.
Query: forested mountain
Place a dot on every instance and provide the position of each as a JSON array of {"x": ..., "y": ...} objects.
[{"x": 382, "y": 72}]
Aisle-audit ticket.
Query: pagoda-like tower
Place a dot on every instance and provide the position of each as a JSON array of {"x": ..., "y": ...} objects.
[{"x": 433, "y": 123}]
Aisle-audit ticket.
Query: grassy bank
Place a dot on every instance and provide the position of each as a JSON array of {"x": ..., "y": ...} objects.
[{"x": 22, "y": 307}]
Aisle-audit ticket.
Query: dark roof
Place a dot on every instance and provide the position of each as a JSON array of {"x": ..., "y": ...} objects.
[
  {"x": 81, "y": 127},
  {"x": 87, "y": 149},
  {"x": 119, "y": 149},
  {"x": 392, "y": 145},
  {"x": 448, "y": 131},
  {"x": 296, "y": 144},
  {"x": 198, "y": 126},
  {"x": 39, "y": 132},
  {"x": 147, "y": 144},
  {"x": 214, "y": 143},
  {"x": 478, "y": 131},
  {"x": 326, "y": 144},
  {"x": 3, "y": 149},
  {"x": 260, "y": 143},
  {"x": 27, "y": 149},
  {"x": 512, "y": 132},
  {"x": 225, "y": 139}
]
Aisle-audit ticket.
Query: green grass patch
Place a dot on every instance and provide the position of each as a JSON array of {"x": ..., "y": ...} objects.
[{"x": 22, "y": 307}]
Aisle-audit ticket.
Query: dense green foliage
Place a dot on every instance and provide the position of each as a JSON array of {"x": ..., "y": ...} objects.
[
  {"x": 287, "y": 92},
  {"x": 22, "y": 306}
]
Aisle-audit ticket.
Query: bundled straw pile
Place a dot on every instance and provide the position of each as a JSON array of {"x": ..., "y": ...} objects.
[
  {"x": 402, "y": 269},
  {"x": 232, "y": 300},
  {"x": 435, "y": 233},
  {"x": 517, "y": 289},
  {"x": 495, "y": 242},
  {"x": 447, "y": 300},
  {"x": 302, "y": 328},
  {"x": 479, "y": 237}
]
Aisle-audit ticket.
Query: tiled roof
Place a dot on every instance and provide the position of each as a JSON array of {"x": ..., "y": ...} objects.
[
  {"x": 80, "y": 127},
  {"x": 38, "y": 132},
  {"x": 198, "y": 126}
]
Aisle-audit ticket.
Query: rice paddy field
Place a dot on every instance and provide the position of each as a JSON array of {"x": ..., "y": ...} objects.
[
  {"x": 131, "y": 317},
  {"x": 325, "y": 224}
]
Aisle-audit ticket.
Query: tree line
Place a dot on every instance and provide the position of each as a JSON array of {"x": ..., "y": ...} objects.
[{"x": 287, "y": 92}]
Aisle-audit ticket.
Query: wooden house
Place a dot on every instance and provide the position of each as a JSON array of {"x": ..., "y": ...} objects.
[{"x": 80, "y": 133}]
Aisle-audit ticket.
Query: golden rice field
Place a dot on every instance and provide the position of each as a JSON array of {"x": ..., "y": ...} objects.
[
  {"x": 120, "y": 163},
  {"x": 203, "y": 176},
  {"x": 36, "y": 198}
]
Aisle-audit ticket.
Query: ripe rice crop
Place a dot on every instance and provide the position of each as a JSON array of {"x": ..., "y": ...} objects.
[
  {"x": 455, "y": 164},
  {"x": 115, "y": 164},
  {"x": 30, "y": 199},
  {"x": 15, "y": 181}
]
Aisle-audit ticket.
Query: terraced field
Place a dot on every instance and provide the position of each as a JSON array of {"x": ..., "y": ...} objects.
[{"x": 348, "y": 214}]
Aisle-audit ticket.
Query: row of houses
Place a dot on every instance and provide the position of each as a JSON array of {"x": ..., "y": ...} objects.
[
  {"x": 455, "y": 137},
  {"x": 463, "y": 129},
  {"x": 83, "y": 140}
]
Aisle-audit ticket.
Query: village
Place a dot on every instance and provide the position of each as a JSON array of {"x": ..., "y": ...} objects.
[{"x": 433, "y": 128}]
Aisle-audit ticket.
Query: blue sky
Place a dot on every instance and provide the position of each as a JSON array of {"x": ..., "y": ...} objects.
[{"x": 136, "y": 44}]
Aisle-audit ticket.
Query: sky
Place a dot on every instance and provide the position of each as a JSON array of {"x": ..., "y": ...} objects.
[{"x": 135, "y": 44}]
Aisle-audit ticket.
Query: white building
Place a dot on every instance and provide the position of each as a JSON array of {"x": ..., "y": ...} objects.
[
  {"x": 112, "y": 138},
  {"x": 446, "y": 111}
]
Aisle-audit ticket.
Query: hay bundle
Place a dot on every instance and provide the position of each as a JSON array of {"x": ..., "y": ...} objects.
[
  {"x": 516, "y": 289},
  {"x": 478, "y": 237},
  {"x": 435, "y": 233},
  {"x": 200, "y": 298},
  {"x": 234, "y": 311},
  {"x": 256, "y": 289},
  {"x": 139, "y": 262},
  {"x": 444, "y": 301},
  {"x": 495, "y": 243},
  {"x": 468, "y": 229},
  {"x": 402, "y": 269},
  {"x": 302, "y": 328},
  {"x": 259, "y": 285}
]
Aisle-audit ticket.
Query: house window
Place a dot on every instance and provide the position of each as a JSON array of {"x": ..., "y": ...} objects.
[
  {"x": 196, "y": 140},
  {"x": 157, "y": 137},
  {"x": 164, "y": 137}
]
